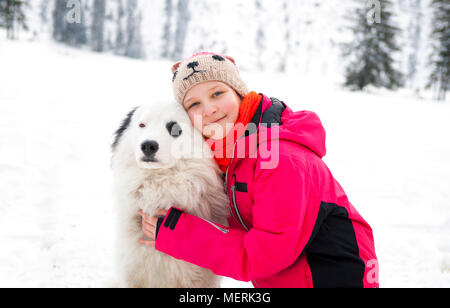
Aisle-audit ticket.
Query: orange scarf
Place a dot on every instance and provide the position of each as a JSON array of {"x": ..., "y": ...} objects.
[{"x": 223, "y": 148}]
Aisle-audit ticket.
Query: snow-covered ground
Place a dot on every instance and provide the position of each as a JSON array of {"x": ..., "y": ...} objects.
[{"x": 59, "y": 108}]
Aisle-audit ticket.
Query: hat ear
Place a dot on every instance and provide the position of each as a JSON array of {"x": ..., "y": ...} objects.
[
  {"x": 176, "y": 66},
  {"x": 231, "y": 59}
]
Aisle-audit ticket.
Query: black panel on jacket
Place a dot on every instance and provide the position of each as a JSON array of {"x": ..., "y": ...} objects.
[{"x": 332, "y": 251}]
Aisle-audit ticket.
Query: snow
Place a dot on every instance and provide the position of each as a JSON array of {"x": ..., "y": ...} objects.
[{"x": 59, "y": 108}]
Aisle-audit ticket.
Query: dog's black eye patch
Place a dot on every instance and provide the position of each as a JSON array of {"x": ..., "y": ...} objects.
[{"x": 174, "y": 129}]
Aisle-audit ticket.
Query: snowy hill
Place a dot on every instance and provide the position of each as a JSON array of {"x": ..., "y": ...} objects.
[{"x": 59, "y": 108}]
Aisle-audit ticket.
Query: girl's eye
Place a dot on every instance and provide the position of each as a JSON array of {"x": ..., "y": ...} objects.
[
  {"x": 217, "y": 94},
  {"x": 142, "y": 125},
  {"x": 194, "y": 104}
]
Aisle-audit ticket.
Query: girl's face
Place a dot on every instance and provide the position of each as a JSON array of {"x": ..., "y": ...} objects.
[{"x": 211, "y": 105}]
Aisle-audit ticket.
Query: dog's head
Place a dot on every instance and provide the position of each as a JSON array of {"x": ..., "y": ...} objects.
[{"x": 157, "y": 136}]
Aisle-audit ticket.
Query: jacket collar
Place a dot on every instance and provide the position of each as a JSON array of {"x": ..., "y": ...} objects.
[{"x": 268, "y": 114}]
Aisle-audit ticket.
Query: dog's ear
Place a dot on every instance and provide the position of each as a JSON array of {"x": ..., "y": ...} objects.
[
  {"x": 123, "y": 127},
  {"x": 175, "y": 67}
]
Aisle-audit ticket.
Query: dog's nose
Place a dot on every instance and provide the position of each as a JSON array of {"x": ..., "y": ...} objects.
[{"x": 149, "y": 147}]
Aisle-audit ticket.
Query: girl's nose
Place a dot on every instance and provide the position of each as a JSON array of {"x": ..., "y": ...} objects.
[{"x": 209, "y": 110}]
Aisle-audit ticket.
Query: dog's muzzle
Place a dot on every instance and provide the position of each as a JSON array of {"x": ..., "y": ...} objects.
[{"x": 149, "y": 148}]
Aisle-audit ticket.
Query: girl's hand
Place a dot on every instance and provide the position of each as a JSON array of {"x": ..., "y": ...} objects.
[{"x": 149, "y": 227}]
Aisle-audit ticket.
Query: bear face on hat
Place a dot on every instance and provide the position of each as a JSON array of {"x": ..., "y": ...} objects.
[{"x": 206, "y": 66}]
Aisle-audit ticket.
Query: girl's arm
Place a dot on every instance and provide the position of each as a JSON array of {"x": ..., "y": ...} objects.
[{"x": 280, "y": 231}]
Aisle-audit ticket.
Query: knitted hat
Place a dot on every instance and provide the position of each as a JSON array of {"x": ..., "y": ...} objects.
[{"x": 206, "y": 66}]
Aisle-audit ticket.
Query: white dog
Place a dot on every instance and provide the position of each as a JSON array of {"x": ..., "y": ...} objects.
[{"x": 159, "y": 160}]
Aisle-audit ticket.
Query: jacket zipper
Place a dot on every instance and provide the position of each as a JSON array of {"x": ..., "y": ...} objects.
[
  {"x": 233, "y": 187},
  {"x": 223, "y": 230},
  {"x": 226, "y": 180}
]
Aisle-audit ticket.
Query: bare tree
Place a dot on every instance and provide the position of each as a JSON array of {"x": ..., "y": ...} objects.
[{"x": 98, "y": 25}]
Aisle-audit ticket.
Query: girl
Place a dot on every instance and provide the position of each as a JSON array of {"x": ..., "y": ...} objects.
[{"x": 291, "y": 224}]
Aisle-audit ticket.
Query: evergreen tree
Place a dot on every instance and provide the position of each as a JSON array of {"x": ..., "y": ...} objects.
[
  {"x": 440, "y": 58},
  {"x": 370, "y": 53},
  {"x": 12, "y": 17},
  {"x": 2, "y": 14}
]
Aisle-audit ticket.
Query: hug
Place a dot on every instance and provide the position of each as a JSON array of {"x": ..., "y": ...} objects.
[{"x": 237, "y": 212}]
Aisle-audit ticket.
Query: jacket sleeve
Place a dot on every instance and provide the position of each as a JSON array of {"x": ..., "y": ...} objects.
[{"x": 282, "y": 225}]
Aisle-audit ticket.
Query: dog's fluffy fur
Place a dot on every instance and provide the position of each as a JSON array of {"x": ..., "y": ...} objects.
[{"x": 180, "y": 173}]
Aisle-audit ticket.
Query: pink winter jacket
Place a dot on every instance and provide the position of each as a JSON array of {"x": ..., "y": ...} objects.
[{"x": 292, "y": 223}]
